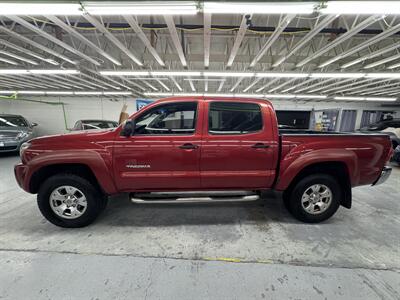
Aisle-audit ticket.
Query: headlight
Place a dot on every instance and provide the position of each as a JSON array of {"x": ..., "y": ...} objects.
[
  {"x": 22, "y": 135},
  {"x": 23, "y": 147}
]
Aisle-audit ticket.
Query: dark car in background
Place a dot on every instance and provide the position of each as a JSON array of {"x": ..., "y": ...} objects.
[
  {"x": 94, "y": 124},
  {"x": 14, "y": 131}
]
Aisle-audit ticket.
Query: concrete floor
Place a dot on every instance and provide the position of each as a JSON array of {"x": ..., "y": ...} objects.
[{"x": 215, "y": 251}]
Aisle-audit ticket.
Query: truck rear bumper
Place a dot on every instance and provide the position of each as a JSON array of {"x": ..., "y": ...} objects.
[{"x": 384, "y": 175}]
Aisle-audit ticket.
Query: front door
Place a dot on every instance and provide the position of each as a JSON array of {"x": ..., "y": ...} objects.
[
  {"x": 164, "y": 152},
  {"x": 239, "y": 149}
]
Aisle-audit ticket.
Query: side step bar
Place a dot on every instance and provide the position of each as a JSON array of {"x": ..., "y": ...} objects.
[{"x": 193, "y": 197}]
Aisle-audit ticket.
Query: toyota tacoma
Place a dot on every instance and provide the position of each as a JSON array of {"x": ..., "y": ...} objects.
[{"x": 200, "y": 149}]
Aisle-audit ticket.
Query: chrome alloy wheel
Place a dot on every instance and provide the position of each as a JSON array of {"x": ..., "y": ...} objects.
[
  {"x": 68, "y": 202},
  {"x": 316, "y": 199}
]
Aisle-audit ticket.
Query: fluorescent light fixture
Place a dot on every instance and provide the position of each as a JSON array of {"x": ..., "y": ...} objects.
[
  {"x": 117, "y": 93},
  {"x": 31, "y": 92},
  {"x": 311, "y": 96},
  {"x": 337, "y": 75},
  {"x": 8, "y": 92},
  {"x": 227, "y": 74},
  {"x": 383, "y": 75},
  {"x": 32, "y": 9},
  {"x": 349, "y": 98},
  {"x": 281, "y": 75},
  {"x": 125, "y": 73},
  {"x": 361, "y": 7},
  {"x": 282, "y": 96},
  {"x": 175, "y": 73},
  {"x": 44, "y": 92},
  {"x": 248, "y": 74},
  {"x": 38, "y": 71},
  {"x": 141, "y": 8},
  {"x": 59, "y": 93},
  {"x": 258, "y": 7}
]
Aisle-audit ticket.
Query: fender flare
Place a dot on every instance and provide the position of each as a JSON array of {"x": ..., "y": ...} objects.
[
  {"x": 92, "y": 159},
  {"x": 292, "y": 165}
]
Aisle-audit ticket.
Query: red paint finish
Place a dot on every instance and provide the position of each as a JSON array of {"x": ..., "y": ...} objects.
[{"x": 157, "y": 162}]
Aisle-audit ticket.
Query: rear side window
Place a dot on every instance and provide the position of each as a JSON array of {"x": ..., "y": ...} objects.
[{"x": 234, "y": 118}]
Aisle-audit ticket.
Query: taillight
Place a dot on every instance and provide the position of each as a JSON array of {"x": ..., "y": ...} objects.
[{"x": 390, "y": 153}]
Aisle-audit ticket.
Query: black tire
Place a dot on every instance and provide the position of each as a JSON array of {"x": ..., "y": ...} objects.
[
  {"x": 95, "y": 200},
  {"x": 296, "y": 193}
]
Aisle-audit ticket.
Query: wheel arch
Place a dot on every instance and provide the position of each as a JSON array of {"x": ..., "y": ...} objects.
[
  {"x": 47, "y": 171},
  {"x": 337, "y": 169}
]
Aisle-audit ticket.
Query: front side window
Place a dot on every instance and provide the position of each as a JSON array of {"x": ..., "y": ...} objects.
[
  {"x": 234, "y": 118},
  {"x": 171, "y": 118}
]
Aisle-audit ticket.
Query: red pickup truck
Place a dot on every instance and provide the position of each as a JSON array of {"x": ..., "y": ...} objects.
[{"x": 199, "y": 149}]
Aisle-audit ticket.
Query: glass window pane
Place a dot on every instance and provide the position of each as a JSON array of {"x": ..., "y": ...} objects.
[
  {"x": 234, "y": 118},
  {"x": 172, "y": 118}
]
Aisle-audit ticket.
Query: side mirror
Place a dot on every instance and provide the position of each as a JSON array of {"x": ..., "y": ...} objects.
[
  {"x": 129, "y": 128},
  {"x": 34, "y": 124}
]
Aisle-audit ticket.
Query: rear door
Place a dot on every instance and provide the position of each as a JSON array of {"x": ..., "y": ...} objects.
[
  {"x": 239, "y": 149},
  {"x": 164, "y": 152}
]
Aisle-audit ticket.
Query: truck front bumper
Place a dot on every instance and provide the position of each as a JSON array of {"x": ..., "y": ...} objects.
[
  {"x": 384, "y": 175},
  {"x": 20, "y": 171}
]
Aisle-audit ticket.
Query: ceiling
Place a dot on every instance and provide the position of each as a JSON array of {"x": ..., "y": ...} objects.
[{"x": 255, "y": 54}]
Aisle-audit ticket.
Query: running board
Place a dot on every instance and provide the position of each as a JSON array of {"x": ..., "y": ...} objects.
[{"x": 193, "y": 197}]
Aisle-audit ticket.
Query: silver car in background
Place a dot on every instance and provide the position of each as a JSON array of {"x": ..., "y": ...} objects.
[{"x": 14, "y": 131}]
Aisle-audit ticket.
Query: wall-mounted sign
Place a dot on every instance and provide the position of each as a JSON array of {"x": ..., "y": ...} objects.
[{"x": 140, "y": 103}]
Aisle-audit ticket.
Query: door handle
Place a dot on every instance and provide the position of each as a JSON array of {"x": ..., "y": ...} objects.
[
  {"x": 188, "y": 146},
  {"x": 260, "y": 146}
]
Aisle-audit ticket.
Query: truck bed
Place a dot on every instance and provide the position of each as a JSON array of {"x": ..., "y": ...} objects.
[{"x": 363, "y": 154}]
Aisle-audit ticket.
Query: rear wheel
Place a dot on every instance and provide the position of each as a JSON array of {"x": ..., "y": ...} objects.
[
  {"x": 314, "y": 198},
  {"x": 68, "y": 200}
]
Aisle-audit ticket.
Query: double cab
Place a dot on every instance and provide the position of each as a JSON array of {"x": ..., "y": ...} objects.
[{"x": 200, "y": 148}]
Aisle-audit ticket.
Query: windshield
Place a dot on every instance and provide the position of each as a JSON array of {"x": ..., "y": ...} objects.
[
  {"x": 13, "y": 121},
  {"x": 99, "y": 124}
]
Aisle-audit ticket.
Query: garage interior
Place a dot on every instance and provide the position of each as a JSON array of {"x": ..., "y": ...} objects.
[{"x": 323, "y": 67}]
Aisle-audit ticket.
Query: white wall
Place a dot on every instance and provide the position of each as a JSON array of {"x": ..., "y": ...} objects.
[
  {"x": 51, "y": 117},
  {"x": 51, "y": 120}
]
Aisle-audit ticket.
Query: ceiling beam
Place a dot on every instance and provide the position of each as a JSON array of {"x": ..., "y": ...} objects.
[
  {"x": 207, "y": 39},
  {"x": 53, "y": 39},
  {"x": 18, "y": 57},
  {"x": 351, "y": 32},
  {"x": 99, "y": 26},
  {"x": 9, "y": 61},
  {"x": 238, "y": 41},
  {"x": 279, "y": 86},
  {"x": 330, "y": 85},
  {"x": 377, "y": 38},
  {"x": 382, "y": 61},
  {"x": 140, "y": 34},
  {"x": 371, "y": 55},
  {"x": 84, "y": 40},
  {"x": 257, "y": 80},
  {"x": 283, "y": 23},
  {"x": 37, "y": 45},
  {"x": 169, "y": 20},
  {"x": 269, "y": 83},
  {"x": 27, "y": 52},
  {"x": 312, "y": 33}
]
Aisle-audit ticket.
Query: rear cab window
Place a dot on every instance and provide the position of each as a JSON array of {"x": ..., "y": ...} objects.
[{"x": 234, "y": 118}]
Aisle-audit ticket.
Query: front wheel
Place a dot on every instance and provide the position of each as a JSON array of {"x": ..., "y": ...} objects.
[
  {"x": 315, "y": 198},
  {"x": 68, "y": 200}
]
